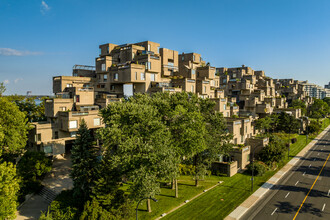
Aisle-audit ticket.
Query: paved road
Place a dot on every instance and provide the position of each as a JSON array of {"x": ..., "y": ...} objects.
[{"x": 304, "y": 193}]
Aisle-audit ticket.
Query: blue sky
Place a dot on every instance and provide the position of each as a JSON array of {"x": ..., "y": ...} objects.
[{"x": 285, "y": 38}]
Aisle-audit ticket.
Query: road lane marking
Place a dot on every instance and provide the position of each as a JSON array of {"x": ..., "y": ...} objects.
[
  {"x": 287, "y": 195},
  {"x": 274, "y": 211},
  {"x": 298, "y": 182},
  {"x": 311, "y": 188},
  {"x": 304, "y": 173},
  {"x": 323, "y": 207}
]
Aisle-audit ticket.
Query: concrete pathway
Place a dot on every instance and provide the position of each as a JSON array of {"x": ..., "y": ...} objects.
[
  {"x": 57, "y": 180},
  {"x": 258, "y": 194}
]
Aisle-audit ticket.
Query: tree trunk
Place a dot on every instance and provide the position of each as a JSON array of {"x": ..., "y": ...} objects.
[
  {"x": 148, "y": 205},
  {"x": 176, "y": 188}
]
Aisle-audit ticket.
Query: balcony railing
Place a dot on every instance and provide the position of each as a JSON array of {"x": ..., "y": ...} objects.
[{"x": 170, "y": 67}]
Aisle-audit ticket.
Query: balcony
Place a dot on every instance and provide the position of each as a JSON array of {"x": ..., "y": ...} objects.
[{"x": 170, "y": 67}]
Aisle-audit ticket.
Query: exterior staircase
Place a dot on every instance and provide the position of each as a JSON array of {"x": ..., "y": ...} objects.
[{"x": 48, "y": 194}]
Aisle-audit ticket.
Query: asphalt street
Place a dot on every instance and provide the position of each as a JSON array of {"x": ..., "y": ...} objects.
[{"x": 303, "y": 193}]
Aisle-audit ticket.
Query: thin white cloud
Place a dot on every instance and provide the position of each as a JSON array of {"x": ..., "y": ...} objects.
[
  {"x": 6, "y": 81},
  {"x": 13, "y": 52},
  {"x": 17, "y": 80},
  {"x": 44, "y": 7}
]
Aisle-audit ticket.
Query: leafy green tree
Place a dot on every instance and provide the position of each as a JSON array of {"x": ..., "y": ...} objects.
[
  {"x": 84, "y": 163},
  {"x": 33, "y": 111},
  {"x": 299, "y": 104},
  {"x": 13, "y": 128},
  {"x": 264, "y": 123},
  {"x": 32, "y": 167},
  {"x": 273, "y": 152},
  {"x": 327, "y": 100},
  {"x": 9, "y": 186},
  {"x": 319, "y": 109},
  {"x": 314, "y": 127},
  {"x": 288, "y": 123},
  {"x": 136, "y": 142}
]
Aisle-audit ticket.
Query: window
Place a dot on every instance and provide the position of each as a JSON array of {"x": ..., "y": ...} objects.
[
  {"x": 234, "y": 75},
  {"x": 133, "y": 56},
  {"x": 148, "y": 65},
  {"x": 103, "y": 66},
  {"x": 182, "y": 58},
  {"x": 77, "y": 98},
  {"x": 245, "y": 129},
  {"x": 142, "y": 76},
  {"x": 242, "y": 139},
  {"x": 73, "y": 134},
  {"x": 152, "y": 77},
  {"x": 108, "y": 50},
  {"x": 97, "y": 121},
  {"x": 105, "y": 77},
  {"x": 193, "y": 57},
  {"x": 38, "y": 137},
  {"x": 69, "y": 85},
  {"x": 136, "y": 76},
  {"x": 63, "y": 108},
  {"x": 149, "y": 47},
  {"x": 56, "y": 135},
  {"x": 204, "y": 89},
  {"x": 192, "y": 88},
  {"x": 224, "y": 106},
  {"x": 73, "y": 124},
  {"x": 112, "y": 87},
  {"x": 115, "y": 76},
  {"x": 193, "y": 72}
]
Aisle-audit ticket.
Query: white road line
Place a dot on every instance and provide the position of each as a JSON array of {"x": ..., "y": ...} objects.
[
  {"x": 298, "y": 182},
  {"x": 287, "y": 195},
  {"x": 328, "y": 192},
  {"x": 323, "y": 207},
  {"x": 304, "y": 173},
  {"x": 274, "y": 211}
]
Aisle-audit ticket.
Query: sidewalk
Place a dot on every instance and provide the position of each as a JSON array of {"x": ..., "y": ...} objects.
[
  {"x": 258, "y": 194},
  {"x": 57, "y": 180}
]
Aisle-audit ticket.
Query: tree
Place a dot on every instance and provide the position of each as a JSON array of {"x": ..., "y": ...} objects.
[
  {"x": 264, "y": 123},
  {"x": 136, "y": 144},
  {"x": 273, "y": 152},
  {"x": 32, "y": 167},
  {"x": 319, "y": 109},
  {"x": 13, "y": 128},
  {"x": 288, "y": 123},
  {"x": 9, "y": 186},
  {"x": 33, "y": 111},
  {"x": 84, "y": 163},
  {"x": 299, "y": 104}
]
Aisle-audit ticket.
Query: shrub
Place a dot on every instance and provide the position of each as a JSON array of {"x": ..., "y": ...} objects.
[
  {"x": 259, "y": 168},
  {"x": 314, "y": 127},
  {"x": 273, "y": 152},
  {"x": 293, "y": 140},
  {"x": 186, "y": 169}
]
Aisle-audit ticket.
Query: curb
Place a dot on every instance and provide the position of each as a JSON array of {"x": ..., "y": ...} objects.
[{"x": 259, "y": 193}]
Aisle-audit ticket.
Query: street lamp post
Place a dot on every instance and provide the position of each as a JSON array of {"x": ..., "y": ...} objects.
[
  {"x": 307, "y": 130},
  {"x": 137, "y": 206}
]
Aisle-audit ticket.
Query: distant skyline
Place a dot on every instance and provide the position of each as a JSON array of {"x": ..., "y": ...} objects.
[{"x": 42, "y": 39}]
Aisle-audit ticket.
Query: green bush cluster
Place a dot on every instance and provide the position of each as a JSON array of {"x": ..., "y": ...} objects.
[
  {"x": 258, "y": 168},
  {"x": 186, "y": 169}
]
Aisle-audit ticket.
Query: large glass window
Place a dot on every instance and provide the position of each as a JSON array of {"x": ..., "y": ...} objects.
[
  {"x": 105, "y": 77},
  {"x": 192, "y": 88},
  {"x": 103, "y": 66},
  {"x": 115, "y": 76},
  {"x": 142, "y": 76},
  {"x": 149, "y": 47},
  {"x": 193, "y": 72},
  {"x": 73, "y": 124}
]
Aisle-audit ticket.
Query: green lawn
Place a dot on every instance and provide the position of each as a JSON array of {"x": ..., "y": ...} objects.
[
  {"x": 220, "y": 201},
  {"x": 167, "y": 201}
]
